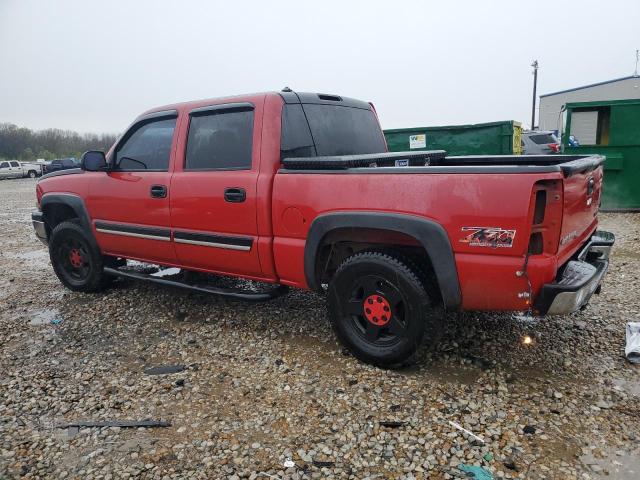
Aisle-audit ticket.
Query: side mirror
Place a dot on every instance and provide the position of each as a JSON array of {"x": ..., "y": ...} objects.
[{"x": 93, "y": 161}]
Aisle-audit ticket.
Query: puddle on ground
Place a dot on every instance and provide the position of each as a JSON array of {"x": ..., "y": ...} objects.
[
  {"x": 44, "y": 316},
  {"x": 166, "y": 272},
  {"x": 35, "y": 258},
  {"x": 624, "y": 253},
  {"x": 321, "y": 352},
  {"x": 443, "y": 373},
  {"x": 615, "y": 466},
  {"x": 526, "y": 319},
  {"x": 33, "y": 255},
  {"x": 630, "y": 387}
]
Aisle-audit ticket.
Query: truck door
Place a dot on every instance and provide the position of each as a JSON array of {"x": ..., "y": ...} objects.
[
  {"x": 5, "y": 170},
  {"x": 213, "y": 190},
  {"x": 129, "y": 204},
  {"x": 16, "y": 170}
]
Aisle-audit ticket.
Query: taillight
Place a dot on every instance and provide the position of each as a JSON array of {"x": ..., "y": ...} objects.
[
  {"x": 546, "y": 217},
  {"x": 554, "y": 147},
  {"x": 39, "y": 193}
]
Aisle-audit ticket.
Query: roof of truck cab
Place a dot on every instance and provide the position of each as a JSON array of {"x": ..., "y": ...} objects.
[{"x": 287, "y": 97}]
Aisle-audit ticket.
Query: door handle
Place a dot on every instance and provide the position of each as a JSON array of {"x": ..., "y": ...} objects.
[
  {"x": 158, "y": 191},
  {"x": 235, "y": 195}
]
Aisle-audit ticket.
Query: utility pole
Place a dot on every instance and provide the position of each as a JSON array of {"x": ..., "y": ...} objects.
[
  {"x": 637, "y": 58},
  {"x": 535, "y": 86}
]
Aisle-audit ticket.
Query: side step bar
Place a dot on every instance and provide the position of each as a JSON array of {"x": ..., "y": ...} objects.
[{"x": 270, "y": 294}]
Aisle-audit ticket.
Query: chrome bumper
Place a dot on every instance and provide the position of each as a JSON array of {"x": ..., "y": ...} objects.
[
  {"x": 579, "y": 279},
  {"x": 38, "y": 225}
]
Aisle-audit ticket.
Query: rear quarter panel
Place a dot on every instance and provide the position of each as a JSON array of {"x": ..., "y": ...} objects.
[{"x": 456, "y": 201}]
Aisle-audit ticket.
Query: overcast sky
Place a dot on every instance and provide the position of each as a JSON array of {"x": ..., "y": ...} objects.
[{"x": 92, "y": 66}]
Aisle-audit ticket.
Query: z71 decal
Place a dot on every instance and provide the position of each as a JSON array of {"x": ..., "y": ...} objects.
[{"x": 493, "y": 237}]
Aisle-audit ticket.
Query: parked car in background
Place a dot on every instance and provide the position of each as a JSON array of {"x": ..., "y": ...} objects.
[
  {"x": 540, "y": 142},
  {"x": 15, "y": 169},
  {"x": 61, "y": 164},
  {"x": 31, "y": 170},
  {"x": 10, "y": 169}
]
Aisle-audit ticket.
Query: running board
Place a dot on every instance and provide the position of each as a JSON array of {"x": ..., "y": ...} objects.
[{"x": 270, "y": 294}]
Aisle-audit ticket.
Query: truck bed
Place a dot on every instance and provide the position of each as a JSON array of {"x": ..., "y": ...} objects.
[
  {"x": 458, "y": 193},
  {"x": 436, "y": 161}
]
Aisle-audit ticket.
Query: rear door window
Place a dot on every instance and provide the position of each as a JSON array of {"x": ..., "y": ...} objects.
[
  {"x": 15, "y": 164},
  {"x": 220, "y": 140}
]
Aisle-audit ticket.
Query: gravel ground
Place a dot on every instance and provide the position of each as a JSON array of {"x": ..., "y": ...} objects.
[{"x": 268, "y": 382}]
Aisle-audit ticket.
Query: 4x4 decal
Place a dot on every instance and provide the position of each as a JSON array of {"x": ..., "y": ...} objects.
[{"x": 494, "y": 237}]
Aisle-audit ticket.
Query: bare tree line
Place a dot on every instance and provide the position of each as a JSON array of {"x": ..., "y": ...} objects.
[{"x": 22, "y": 143}]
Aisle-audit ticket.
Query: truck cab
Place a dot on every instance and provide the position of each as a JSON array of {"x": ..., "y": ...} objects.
[{"x": 10, "y": 169}]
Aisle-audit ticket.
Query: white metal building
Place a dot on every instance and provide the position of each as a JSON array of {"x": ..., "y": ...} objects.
[{"x": 551, "y": 103}]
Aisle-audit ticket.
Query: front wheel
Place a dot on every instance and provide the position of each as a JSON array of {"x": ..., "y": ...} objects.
[
  {"x": 380, "y": 309},
  {"x": 75, "y": 260}
]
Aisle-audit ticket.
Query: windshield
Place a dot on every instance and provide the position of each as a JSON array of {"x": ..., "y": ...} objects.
[{"x": 328, "y": 130}]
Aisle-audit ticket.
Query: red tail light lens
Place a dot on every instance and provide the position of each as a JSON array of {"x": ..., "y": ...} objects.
[
  {"x": 555, "y": 148},
  {"x": 546, "y": 217}
]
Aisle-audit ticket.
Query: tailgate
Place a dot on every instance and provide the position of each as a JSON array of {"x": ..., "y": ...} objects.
[{"x": 581, "y": 193}]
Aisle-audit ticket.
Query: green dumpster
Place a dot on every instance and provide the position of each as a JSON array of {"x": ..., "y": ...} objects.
[
  {"x": 494, "y": 138},
  {"x": 610, "y": 128}
]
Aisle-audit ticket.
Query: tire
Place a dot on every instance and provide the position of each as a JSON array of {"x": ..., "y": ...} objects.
[
  {"x": 32, "y": 174},
  {"x": 75, "y": 260},
  {"x": 380, "y": 310}
]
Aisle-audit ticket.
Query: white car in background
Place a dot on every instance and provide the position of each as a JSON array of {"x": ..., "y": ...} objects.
[
  {"x": 31, "y": 169},
  {"x": 15, "y": 169},
  {"x": 540, "y": 142}
]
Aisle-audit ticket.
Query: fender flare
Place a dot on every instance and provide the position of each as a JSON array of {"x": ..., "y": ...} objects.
[
  {"x": 75, "y": 203},
  {"x": 431, "y": 235}
]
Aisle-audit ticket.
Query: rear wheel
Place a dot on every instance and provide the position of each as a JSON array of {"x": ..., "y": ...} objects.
[
  {"x": 380, "y": 309},
  {"x": 76, "y": 261},
  {"x": 32, "y": 174}
]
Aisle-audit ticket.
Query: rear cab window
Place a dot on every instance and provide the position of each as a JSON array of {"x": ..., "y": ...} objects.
[{"x": 310, "y": 130}]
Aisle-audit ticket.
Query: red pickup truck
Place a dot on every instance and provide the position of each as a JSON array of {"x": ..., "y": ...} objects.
[{"x": 298, "y": 189}]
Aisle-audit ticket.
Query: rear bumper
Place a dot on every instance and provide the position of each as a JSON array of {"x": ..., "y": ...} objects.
[
  {"x": 578, "y": 279},
  {"x": 38, "y": 225}
]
